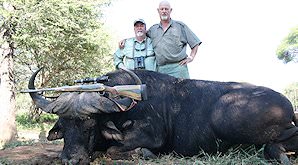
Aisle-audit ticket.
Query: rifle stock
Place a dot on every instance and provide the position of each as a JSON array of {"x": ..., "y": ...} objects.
[{"x": 137, "y": 92}]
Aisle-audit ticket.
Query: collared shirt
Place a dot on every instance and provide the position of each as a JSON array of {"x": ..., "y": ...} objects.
[
  {"x": 127, "y": 56},
  {"x": 170, "y": 45}
]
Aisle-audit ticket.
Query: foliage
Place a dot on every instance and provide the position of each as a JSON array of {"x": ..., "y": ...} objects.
[
  {"x": 35, "y": 120},
  {"x": 19, "y": 143},
  {"x": 67, "y": 38},
  {"x": 288, "y": 49},
  {"x": 28, "y": 117},
  {"x": 30, "y": 142},
  {"x": 291, "y": 93},
  {"x": 23, "y": 103}
]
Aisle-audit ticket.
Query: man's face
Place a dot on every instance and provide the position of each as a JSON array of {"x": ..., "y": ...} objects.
[
  {"x": 164, "y": 12},
  {"x": 140, "y": 29}
]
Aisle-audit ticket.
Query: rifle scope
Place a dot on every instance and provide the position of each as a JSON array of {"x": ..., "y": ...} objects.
[{"x": 100, "y": 79}]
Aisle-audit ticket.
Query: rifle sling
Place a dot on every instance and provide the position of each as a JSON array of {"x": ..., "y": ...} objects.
[{"x": 124, "y": 107}]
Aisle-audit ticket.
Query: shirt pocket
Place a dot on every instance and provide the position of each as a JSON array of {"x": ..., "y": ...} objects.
[
  {"x": 128, "y": 52},
  {"x": 150, "y": 51},
  {"x": 174, "y": 36}
]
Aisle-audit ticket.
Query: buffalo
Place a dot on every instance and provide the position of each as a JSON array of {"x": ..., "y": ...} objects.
[{"x": 184, "y": 116}]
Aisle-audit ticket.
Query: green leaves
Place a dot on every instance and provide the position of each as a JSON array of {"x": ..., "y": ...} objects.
[
  {"x": 288, "y": 49},
  {"x": 65, "y": 37}
]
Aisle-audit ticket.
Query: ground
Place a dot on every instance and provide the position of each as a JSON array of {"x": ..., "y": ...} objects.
[
  {"x": 39, "y": 151},
  {"x": 32, "y": 154}
]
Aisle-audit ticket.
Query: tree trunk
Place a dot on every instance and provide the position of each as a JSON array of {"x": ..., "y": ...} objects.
[{"x": 7, "y": 91}]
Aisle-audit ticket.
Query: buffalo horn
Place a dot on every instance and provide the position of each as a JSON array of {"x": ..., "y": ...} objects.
[
  {"x": 38, "y": 100},
  {"x": 132, "y": 74}
]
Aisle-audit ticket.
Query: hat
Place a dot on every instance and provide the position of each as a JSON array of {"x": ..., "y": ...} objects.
[{"x": 139, "y": 20}]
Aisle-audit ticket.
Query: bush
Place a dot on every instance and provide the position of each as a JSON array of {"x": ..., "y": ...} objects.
[
  {"x": 31, "y": 121},
  {"x": 28, "y": 117}
]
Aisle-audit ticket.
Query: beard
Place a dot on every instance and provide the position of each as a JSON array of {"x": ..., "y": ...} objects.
[
  {"x": 139, "y": 34},
  {"x": 164, "y": 17}
]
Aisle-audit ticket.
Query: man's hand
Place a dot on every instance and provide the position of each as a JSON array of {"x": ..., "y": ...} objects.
[
  {"x": 192, "y": 55},
  {"x": 122, "y": 44},
  {"x": 186, "y": 60}
]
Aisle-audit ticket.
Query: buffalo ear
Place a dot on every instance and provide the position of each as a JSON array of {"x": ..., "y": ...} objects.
[
  {"x": 55, "y": 133},
  {"x": 111, "y": 132},
  {"x": 127, "y": 125}
]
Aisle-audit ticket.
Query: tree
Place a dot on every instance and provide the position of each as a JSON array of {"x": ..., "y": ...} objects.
[
  {"x": 288, "y": 49},
  {"x": 7, "y": 88},
  {"x": 65, "y": 37},
  {"x": 291, "y": 92}
]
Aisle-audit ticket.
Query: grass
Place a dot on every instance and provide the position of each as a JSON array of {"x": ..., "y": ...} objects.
[
  {"x": 16, "y": 143},
  {"x": 249, "y": 156}
]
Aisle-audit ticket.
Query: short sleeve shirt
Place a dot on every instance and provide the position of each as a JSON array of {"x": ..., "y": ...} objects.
[
  {"x": 170, "y": 45},
  {"x": 133, "y": 48}
]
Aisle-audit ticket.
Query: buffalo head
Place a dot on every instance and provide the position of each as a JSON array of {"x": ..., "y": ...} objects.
[{"x": 82, "y": 120}]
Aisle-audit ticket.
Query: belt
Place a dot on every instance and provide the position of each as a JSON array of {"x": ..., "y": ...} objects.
[{"x": 170, "y": 62}]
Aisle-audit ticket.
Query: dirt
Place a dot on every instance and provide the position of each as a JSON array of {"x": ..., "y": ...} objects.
[
  {"x": 39, "y": 151},
  {"x": 33, "y": 154}
]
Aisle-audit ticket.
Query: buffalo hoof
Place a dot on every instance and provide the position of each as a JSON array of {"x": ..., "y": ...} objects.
[
  {"x": 75, "y": 162},
  {"x": 145, "y": 153},
  {"x": 276, "y": 152},
  {"x": 115, "y": 153}
]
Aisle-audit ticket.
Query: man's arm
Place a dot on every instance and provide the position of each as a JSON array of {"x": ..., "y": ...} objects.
[
  {"x": 193, "y": 52},
  {"x": 191, "y": 57},
  {"x": 118, "y": 59}
]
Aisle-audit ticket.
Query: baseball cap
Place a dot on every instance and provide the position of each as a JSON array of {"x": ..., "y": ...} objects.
[{"x": 139, "y": 20}]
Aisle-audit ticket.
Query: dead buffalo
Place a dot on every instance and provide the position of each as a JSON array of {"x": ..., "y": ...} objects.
[{"x": 181, "y": 115}]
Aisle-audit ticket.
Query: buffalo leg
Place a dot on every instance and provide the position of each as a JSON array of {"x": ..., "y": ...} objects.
[
  {"x": 291, "y": 144},
  {"x": 276, "y": 151}
]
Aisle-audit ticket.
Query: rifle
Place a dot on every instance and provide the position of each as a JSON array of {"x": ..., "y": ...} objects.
[{"x": 137, "y": 92}]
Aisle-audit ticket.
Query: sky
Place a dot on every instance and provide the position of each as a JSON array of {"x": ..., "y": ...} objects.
[{"x": 239, "y": 37}]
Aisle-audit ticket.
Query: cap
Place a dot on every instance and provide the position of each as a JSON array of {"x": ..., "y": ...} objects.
[{"x": 139, "y": 20}]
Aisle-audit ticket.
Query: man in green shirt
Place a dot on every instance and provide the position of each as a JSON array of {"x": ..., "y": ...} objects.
[
  {"x": 170, "y": 39},
  {"x": 138, "y": 51}
]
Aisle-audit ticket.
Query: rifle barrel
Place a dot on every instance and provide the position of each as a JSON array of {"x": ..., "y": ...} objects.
[
  {"x": 76, "y": 88},
  {"x": 137, "y": 92}
]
